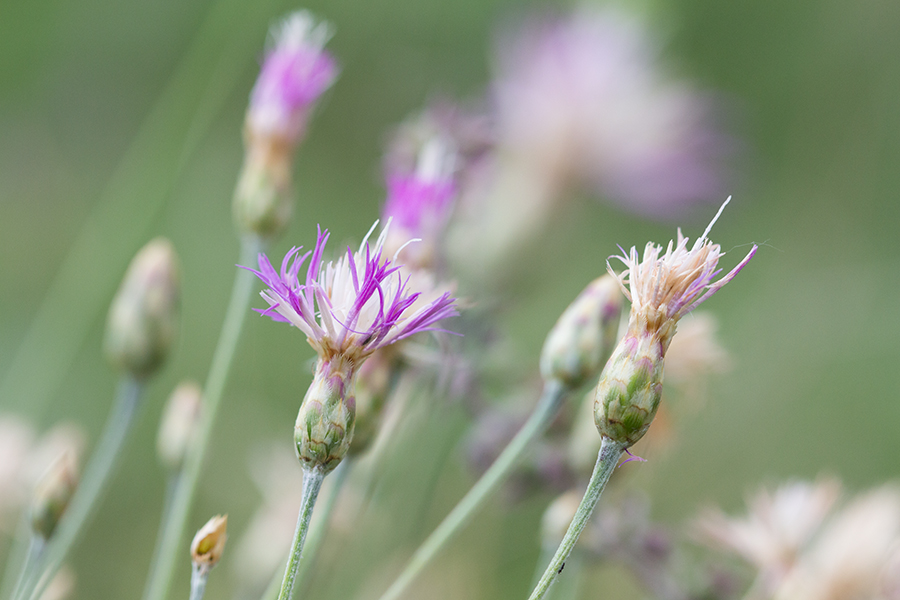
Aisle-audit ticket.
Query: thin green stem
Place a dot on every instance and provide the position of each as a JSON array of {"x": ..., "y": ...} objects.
[
  {"x": 547, "y": 407},
  {"x": 317, "y": 531},
  {"x": 171, "y": 485},
  {"x": 319, "y": 527},
  {"x": 32, "y": 560},
  {"x": 199, "y": 575},
  {"x": 607, "y": 460},
  {"x": 16, "y": 558},
  {"x": 173, "y": 531},
  {"x": 90, "y": 490},
  {"x": 312, "y": 483}
]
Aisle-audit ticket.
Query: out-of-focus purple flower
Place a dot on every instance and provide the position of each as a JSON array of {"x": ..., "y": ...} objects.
[
  {"x": 295, "y": 72},
  {"x": 352, "y": 306},
  {"x": 418, "y": 203},
  {"x": 583, "y": 97}
]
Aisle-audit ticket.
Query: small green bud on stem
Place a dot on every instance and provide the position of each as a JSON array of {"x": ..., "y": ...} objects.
[
  {"x": 583, "y": 337},
  {"x": 630, "y": 387},
  {"x": 324, "y": 426},
  {"x": 262, "y": 200},
  {"x": 52, "y": 495},
  {"x": 209, "y": 543},
  {"x": 143, "y": 317}
]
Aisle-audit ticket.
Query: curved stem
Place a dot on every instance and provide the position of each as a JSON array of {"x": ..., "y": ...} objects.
[
  {"x": 32, "y": 560},
  {"x": 16, "y": 558},
  {"x": 312, "y": 483},
  {"x": 171, "y": 485},
  {"x": 199, "y": 575},
  {"x": 92, "y": 485},
  {"x": 607, "y": 460},
  {"x": 547, "y": 407},
  {"x": 319, "y": 527},
  {"x": 173, "y": 531}
]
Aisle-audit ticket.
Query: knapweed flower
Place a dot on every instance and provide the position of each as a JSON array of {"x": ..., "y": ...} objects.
[
  {"x": 582, "y": 98},
  {"x": 418, "y": 204},
  {"x": 663, "y": 286},
  {"x": 348, "y": 309},
  {"x": 295, "y": 72}
]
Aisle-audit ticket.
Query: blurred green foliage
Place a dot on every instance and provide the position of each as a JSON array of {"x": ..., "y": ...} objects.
[{"x": 120, "y": 121}]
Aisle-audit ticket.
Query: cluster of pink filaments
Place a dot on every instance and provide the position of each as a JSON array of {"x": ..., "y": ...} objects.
[{"x": 351, "y": 306}]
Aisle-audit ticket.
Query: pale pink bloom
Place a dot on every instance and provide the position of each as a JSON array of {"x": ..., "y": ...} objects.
[
  {"x": 665, "y": 284},
  {"x": 295, "y": 72},
  {"x": 583, "y": 97}
]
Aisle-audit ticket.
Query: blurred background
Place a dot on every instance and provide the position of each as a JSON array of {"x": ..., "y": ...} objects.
[{"x": 121, "y": 121}]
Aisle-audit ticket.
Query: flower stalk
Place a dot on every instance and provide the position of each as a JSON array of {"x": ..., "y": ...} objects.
[
  {"x": 312, "y": 484},
  {"x": 173, "y": 531},
  {"x": 610, "y": 452},
  {"x": 551, "y": 399},
  {"x": 90, "y": 490}
]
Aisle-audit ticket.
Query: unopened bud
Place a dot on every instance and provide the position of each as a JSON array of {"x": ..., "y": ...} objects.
[
  {"x": 295, "y": 73},
  {"x": 630, "y": 387},
  {"x": 209, "y": 543},
  {"x": 583, "y": 337},
  {"x": 262, "y": 200},
  {"x": 324, "y": 426},
  {"x": 372, "y": 387},
  {"x": 178, "y": 424},
  {"x": 52, "y": 495},
  {"x": 143, "y": 318}
]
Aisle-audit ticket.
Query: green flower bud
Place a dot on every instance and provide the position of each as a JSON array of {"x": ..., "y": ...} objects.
[
  {"x": 262, "y": 200},
  {"x": 372, "y": 387},
  {"x": 630, "y": 387},
  {"x": 178, "y": 424},
  {"x": 583, "y": 337},
  {"x": 324, "y": 426},
  {"x": 52, "y": 495},
  {"x": 143, "y": 317},
  {"x": 209, "y": 543}
]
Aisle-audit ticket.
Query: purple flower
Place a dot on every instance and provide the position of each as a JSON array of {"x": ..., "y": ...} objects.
[
  {"x": 583, "y": 98},
  {"x": 295, "y": 72},
  {"x": 352, "y": 306},
  {"x": 419, "y": 203},
  {"x": 664, "y": 287}
]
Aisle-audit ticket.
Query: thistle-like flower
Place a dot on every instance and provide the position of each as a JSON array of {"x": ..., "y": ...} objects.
[
  {"x": 348, "y": 309},
  {"x": 662, "y": 287},
  {"x": 295, "y": 72},
  {"x": 419, "y": 203}
]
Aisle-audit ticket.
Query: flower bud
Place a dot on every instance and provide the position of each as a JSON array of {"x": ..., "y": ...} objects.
[
  {"x": 209, "y": 543},
  {"x": 178, "y": 424},
  {"x": 583, "y": 337},
  {"x": 324, "y": 426},
  {"x": 52, "y": 496},
  {"x": 262, "y": 199},
  {"x": 372, "y": 387},
  {"x": 143, "y": 317},
  {"x": 295, "y": 73},
  {"x": 630, "y": 387}
]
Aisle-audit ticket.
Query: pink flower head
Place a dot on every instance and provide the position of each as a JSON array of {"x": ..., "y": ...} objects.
[
  {"x": 295, "y": 72},
  {"x": 665, "y": 286},
  {"x": 418, "y": 203},
  {"x": 583, "y": 98},
  {"x": 351, "y": 306}
]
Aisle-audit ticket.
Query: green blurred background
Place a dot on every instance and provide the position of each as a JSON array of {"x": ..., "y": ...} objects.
[{"x": 120, "y": 121}]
